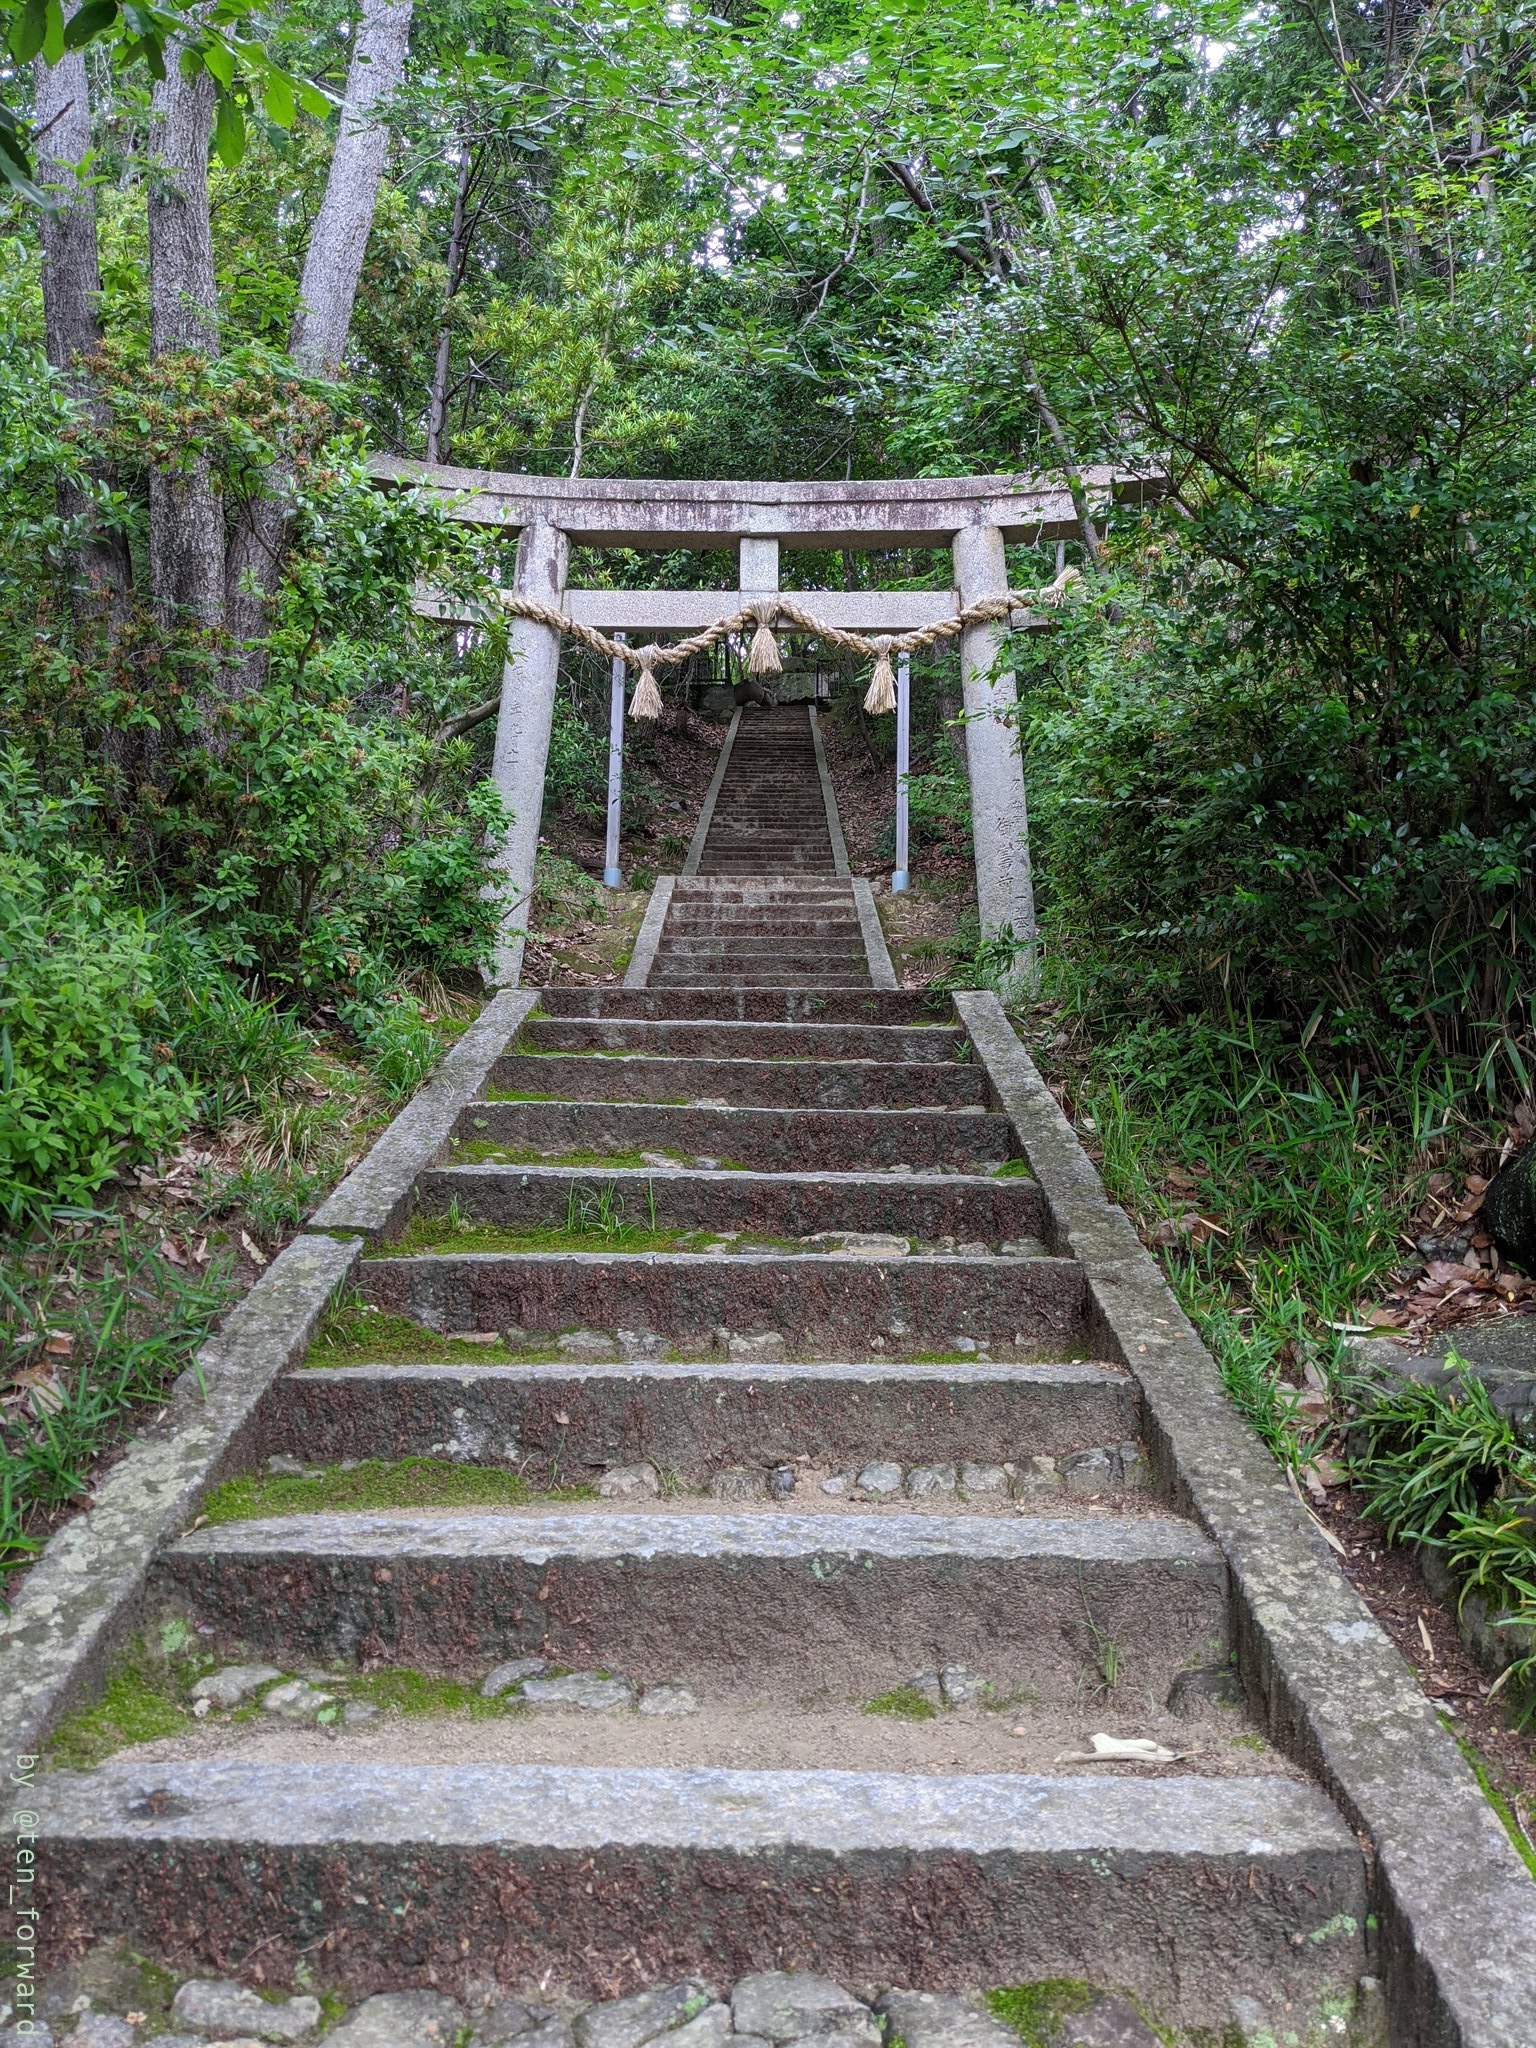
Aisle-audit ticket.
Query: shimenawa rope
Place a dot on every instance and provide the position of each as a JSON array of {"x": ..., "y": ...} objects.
[{"x": 763, "y": 614}]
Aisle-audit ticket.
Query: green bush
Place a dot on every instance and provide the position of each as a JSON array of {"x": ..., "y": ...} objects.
[{"x": 85, "y": 1080}]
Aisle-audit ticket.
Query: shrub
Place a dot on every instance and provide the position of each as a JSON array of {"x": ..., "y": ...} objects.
[{"x": 84, "y": 1079}]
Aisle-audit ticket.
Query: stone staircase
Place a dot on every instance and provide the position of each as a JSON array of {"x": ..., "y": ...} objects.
[
  {"x": 761, "y": 932},
  {"x": 839, "y": 1557},
  {"x": 771, "y": 813}
]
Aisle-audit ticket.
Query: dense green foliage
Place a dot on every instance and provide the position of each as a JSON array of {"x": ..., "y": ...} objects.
[{"x": 1281, "y": 750}]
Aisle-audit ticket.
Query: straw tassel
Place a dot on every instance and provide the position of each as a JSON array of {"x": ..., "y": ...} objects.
[
  {"x": 646, "y": 702},
  {"x": 763, "y": 655},
  {"x": 881, "y": 694}
]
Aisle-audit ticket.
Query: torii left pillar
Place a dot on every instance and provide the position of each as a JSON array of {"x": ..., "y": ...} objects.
[
  {"x": 1005, "y": 896},
  {"x": 528, "y": 683}
]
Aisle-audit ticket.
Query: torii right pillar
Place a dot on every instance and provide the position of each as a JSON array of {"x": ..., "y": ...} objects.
[{"x": 1005, "y": 895}]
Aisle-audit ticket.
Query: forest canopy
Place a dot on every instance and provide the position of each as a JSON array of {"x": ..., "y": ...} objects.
[{"x": 1281, "y": 753}]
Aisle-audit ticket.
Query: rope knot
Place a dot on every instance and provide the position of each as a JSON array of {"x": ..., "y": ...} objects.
[
  {"x": 881, "y": 694},
  {"x": 763, "y": 655},
  {"x": 646, "y": 702}
]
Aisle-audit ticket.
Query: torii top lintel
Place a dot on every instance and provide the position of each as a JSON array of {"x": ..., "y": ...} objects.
[{"x": 889, "y": 512}]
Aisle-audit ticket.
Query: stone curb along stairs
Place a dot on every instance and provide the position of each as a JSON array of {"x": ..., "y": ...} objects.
[{"x": 1049, "y": 1342}]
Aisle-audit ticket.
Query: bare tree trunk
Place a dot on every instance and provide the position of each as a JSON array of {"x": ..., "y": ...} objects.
[
  {"x": 333, "y": 265},
  {"x": 186, "y": 519},
  {"x": 339, "y": 239},
  {"x": 1053, "y": 426},
  {"x": 437, "y": 410},
  {"x": 71, "y": 291}
]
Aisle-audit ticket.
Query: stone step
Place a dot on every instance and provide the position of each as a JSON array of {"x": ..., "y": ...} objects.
[
  {"x": 970, "y": 1209},
  {"x": 781, "y": 1084},
  {"x": 843, "y": 943},
  {"x": 768, "y": 890},
  {"x": 906, "y": 1045},
  {"x": 817, "y": 1306},
  {"x": 605, "y": 1879},
  {"x": 565, "y": 1423},
  {"x": 847, "y": 1605},
  {"x": 689, "y": 977},
  {"x": 901, "y": 1007},
  {"x": 766, "y": 1140}
]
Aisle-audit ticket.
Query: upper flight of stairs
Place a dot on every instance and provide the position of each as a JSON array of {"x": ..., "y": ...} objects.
[{"x": 770, "y": 813}]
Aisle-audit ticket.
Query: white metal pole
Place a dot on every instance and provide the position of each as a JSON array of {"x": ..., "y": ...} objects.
[
  {"x": 613, "y": 874},
  {"x": 901, "y": 879}
]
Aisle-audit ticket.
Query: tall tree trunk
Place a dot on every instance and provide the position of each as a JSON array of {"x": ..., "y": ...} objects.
[
  {"x": 186, "y": 519},
  {"x": 71, "y": 291},
  {"x": 339, "y": 239},
  {"x": 458, "y": 251},
  {"x": 333, "y": 265}
]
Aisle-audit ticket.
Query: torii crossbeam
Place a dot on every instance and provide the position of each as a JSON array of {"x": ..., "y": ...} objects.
[{"x": 975, "y": 517}]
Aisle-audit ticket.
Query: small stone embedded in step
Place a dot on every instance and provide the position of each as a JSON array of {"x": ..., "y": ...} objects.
[
  {"x": 641, "y": 1343},
  {"x": 926, "y": 1480},
  {"x": 985, "y": 1478},
  {"x": 227, "y": 1688},
  {"x": 1135, "y": 1472},
  {"x": 510, "y": 2020},
  {"x": 1035, "y": 1477},
  {"x": 658, "y": 1160},
  {"x": 629, "y": 1482},
  {"x": 669, "y": 1698},
  {"x": 881, "y": 1479},
  {"x": 589, "y": 1690},
  {"x": 965, "y": 1345},
  {"x": 644, "y": 2016},
  {"x": 973, "y": 1248},
  {"x": 1196, "y": 1692},
  {"x": 1086, "y": 1473},
  {"x": 102, "y": 2030},
  {"x": 954, "y": 1686},
  {"x": 281, "y": 1466},
  {"x": 709, "y": 2029},
  {"x": 401, "y": 2019},
  {"x": 762, "y": 1347},
  {"x": 358, "y": 1713},
  {"x": 931, "y": 2019},
  {"x": 590, "y": 1344},
  {"x": 298, "y": 1700},
  {"x": 701, "y": 1164},
  {"x": 862, "y": 1244},
  {"x": 1021, "y": 1248},
  {"x": 1106, "y": 2023},
  {"x": 795, "y": 2005},
  {"x": 736, "y": 1482},
  {"x": 38, "y": 2035},
  {"x": 505, "y": 1676},
  {"x": 839, "y": 1483},
  {"x": 782, "y": 1481},
  {"x": 220, "y": 2006},
  {"x": 167, "y": 2041}
]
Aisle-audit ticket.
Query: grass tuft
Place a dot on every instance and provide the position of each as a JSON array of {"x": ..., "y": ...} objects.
[{"x": 902, "y": 1703}]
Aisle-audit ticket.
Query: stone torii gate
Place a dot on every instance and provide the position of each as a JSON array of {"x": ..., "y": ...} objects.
[{"x": 976, "y": 517}]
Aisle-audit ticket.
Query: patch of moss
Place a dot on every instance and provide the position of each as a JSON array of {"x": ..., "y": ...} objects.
[
  {"x": 1013, "y": 1169},
  {"x": 902, "y": 1703},
  {"x": 355, "y": 1333},
  {"x": 1036, "y": 2011},
  {"x": 376, "y": 1484},
  {"x": 441, "y": 1234},
  {"x": 144, "y": 1699},
  {"x": 480, "y": 1152},
  {"x": 401, "y": 1690}
]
